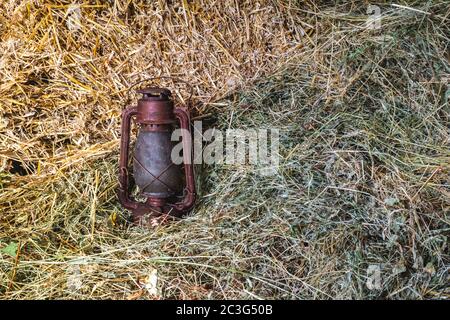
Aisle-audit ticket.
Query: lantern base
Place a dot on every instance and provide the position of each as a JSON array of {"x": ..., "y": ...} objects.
[{"x": 154, "y": 210}]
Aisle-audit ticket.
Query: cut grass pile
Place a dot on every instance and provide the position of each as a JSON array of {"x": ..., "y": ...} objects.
[{"x": 359, "y": 207}]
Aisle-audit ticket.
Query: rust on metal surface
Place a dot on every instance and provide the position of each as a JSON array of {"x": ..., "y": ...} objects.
[{"x": 167, "y": 189}]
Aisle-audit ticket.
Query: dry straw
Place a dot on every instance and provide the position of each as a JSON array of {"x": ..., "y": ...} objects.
[{"x": 358, "y": 209}]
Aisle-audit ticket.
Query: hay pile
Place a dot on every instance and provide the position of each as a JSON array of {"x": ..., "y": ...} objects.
[{"x": 363, "y": 184}]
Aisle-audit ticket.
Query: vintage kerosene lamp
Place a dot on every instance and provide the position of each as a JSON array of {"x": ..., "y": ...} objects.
[{"x": 168, "y": 191}]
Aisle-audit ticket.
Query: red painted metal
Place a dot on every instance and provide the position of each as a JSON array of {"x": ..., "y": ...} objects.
[{"x": 158, "y": 178}]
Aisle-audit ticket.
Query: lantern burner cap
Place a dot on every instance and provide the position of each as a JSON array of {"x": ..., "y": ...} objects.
[{"x": 155, "y": 93}]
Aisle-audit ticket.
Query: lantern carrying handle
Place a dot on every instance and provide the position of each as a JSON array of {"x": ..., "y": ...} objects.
[{"x": 174, "y": 79}]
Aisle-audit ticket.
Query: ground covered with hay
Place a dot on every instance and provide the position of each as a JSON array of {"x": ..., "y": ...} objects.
[{"x": 358, "y": 209}]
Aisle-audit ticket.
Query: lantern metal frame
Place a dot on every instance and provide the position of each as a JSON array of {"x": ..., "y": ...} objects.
[{"x": 156, "y": 115}]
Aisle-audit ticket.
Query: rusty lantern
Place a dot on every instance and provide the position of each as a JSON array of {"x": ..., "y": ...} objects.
[{"x": 167, "y": 190}]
